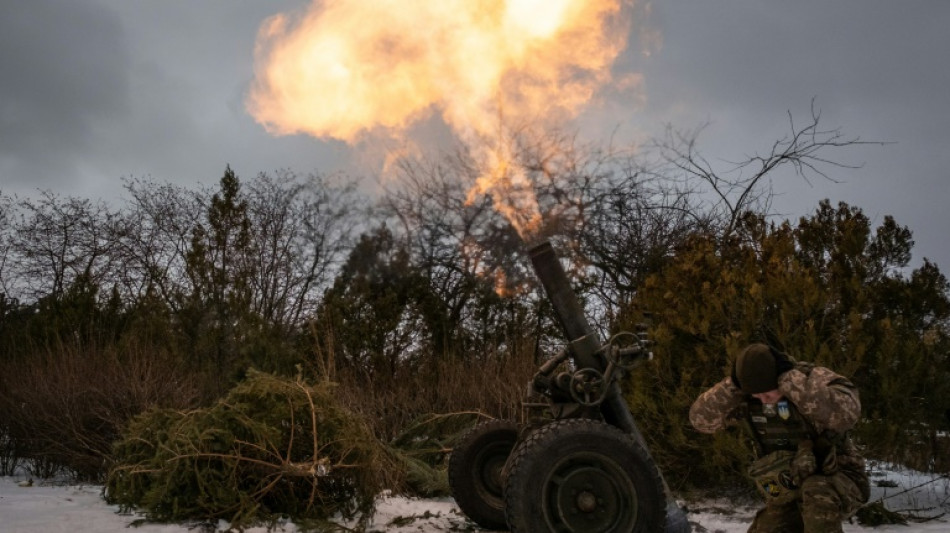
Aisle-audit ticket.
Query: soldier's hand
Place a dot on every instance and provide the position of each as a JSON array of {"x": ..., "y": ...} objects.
[
  {"x": 804, "y": 463},
  {"x": 782, "y": 363},
  {"x": 830, "y": 464}
]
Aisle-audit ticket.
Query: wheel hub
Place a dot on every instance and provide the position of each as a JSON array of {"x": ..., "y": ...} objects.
[
  {"x": 589, "y": 498},
  {"x": 586, "y": 502},
  {"x": 490, "y": 470}
]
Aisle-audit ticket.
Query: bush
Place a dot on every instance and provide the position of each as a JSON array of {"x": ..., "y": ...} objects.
[
  {"x": 273, "y": 446},
  {"x": 64, "y": 407},
  {"x": 494, "y": 387}
]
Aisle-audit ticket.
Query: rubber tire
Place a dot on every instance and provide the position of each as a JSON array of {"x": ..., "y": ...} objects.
[
  {"x": 475, "y": 471},
  {"x": 567, "y": 465}
]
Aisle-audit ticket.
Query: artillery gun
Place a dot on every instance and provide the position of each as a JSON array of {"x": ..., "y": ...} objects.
[{"x": 578, "y": 463}]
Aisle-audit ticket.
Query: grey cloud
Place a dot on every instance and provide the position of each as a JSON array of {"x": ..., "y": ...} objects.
[
  {"x": 64, "y": 73},
  {"x": 95, "y": 90}
]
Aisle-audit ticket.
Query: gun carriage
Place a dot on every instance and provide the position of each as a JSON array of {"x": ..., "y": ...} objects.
[{"x": 578, "y": 462}]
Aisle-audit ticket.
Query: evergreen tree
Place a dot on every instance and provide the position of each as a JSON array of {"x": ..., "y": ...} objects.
[
  {"x": 369, "y": 308},
  {"x": 215, "y": 313},
  {"x": 829, "y": 290}
]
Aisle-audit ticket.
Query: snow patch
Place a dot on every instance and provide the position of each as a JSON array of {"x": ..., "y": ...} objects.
[{"x": 51, "y": 507}]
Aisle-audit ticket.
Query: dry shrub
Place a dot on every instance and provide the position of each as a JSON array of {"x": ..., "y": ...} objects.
[
  {"x": 422, "y": 408},
  {"x": 422, "y": 411},
  {"x": 64, "y": 408},
  {"x": 494, "y": 386},
  {"x": 273, "y": 446},
  {"x": 9, "y": 455}
]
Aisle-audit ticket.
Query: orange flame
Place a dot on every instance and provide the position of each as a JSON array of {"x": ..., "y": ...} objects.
[{"x": 346, "y": 69}]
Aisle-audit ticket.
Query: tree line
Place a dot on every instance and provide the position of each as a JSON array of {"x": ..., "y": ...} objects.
[{"x": 418, "y": 299}]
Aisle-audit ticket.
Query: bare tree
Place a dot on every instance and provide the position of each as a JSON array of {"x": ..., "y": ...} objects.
[
  {"x": 637, "y": 207},
  {"x": 632, "y": 226},
  {"x": 57, "y": 240},
  {"x": 6, "y": 238},
  {"x": 298, "y": 230},
  {"x": 462, "y": 247},
  {"x": 155, "y": 237},
  {"x": 618, "y": 214},
  {"x": 301, "y": 229},
  {"x": 738, "y": 188}
]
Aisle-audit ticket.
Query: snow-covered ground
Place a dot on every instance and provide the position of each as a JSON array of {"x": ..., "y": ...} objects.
[{"x": 53, "y": 507}]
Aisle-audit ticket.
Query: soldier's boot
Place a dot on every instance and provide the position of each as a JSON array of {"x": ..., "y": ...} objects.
[
  {"x": 826, "y": 501},
  {"x": 778, "y": 518}
]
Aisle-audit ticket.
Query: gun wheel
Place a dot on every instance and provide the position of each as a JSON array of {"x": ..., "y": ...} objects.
[
  {"x": 583, "y": 475},
  {"x": 476, "y": 471}
]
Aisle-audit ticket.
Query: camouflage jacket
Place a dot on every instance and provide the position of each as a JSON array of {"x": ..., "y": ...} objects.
[{"x": 828, "y": 402}]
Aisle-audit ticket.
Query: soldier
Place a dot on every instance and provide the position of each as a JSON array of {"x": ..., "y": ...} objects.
[{"x": 800, "y": 416}]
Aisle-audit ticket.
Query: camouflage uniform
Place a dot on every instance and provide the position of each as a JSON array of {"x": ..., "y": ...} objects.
[{"x": 818, "y": 409}]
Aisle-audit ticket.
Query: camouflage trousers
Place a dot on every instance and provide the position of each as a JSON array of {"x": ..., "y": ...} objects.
[{"x": 824, "y": 503}]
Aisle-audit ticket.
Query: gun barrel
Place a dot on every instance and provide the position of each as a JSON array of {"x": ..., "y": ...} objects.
[
  {"x": 568, "y": 309},
  {"x": 584, "y": 341}
]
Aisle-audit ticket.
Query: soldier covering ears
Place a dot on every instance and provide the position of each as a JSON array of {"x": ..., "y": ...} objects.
[{"x": 800, "y": 416}]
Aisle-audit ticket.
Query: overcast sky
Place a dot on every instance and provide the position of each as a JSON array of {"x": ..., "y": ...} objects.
[{"x": 92, "y": 91}]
